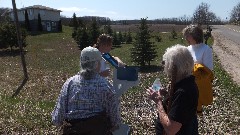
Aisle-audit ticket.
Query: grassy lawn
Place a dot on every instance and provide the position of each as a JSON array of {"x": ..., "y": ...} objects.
[{"x": 51, "y": 59}]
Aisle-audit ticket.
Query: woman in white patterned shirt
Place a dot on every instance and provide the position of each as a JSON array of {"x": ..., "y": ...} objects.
[{"x": 87, "y": 103}]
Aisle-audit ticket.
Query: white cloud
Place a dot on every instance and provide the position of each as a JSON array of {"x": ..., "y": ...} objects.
[
  {"x": 68, "y": 11},
  {"x": 111, "y": 12}
]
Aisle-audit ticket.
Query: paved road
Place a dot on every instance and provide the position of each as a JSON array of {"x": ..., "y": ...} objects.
[
  {"x": 231, "y": 32},
  {"x": 227, "y": 48}
]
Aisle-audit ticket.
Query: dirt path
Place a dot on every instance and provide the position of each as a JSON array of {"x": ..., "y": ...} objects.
[{"x": 228, "y": 53}]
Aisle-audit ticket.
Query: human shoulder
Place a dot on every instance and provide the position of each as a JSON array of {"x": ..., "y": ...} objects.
[
  {"x": 72, "y": 79},
  {"x": 205, "y": 46}
]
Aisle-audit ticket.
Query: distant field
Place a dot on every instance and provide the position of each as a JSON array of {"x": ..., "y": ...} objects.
[{"x": 153, "y": 27}]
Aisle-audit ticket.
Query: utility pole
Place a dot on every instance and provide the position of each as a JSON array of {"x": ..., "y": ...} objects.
[{"x": 19, "y": 38}]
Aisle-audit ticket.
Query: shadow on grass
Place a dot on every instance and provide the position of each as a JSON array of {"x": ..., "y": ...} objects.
[
  {"x": 36, "y": 33},
  {"x": 20, "y": 87},
  {"x": 9, "y": 52}
]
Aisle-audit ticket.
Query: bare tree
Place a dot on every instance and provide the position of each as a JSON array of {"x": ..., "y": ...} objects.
[
  {"x": 203, "y": 16},
  {"x": 21, "y": 50},
  {"x": 235, "y": 14}
]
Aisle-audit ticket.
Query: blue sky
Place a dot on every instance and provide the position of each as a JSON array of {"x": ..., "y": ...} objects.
[{"x": 129, "y": 9}]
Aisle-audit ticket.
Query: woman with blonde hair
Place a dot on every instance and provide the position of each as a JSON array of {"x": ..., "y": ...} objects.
[{"x": 177, "y": 112}]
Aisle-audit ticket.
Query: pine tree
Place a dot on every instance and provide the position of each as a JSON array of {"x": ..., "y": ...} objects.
[
  {"x": 84, "y": 40},
  {"x": 74, "y": 22},
  {"x": 94, "y": 31},
  {"x": 109, "y": 30},
  {"x": 143, "y": 51},
  {"x": 82, "y": 37},
  {"x": 60, "y": 26},
  {"x": 129, "y": 37},
  {"x": 120, "y": 37},
  {"x": 116, "y": 41},
  {"x": 39, "y": 23},
  {"x": 174, "y": 34},
  {"x": 27, "y": 23}
]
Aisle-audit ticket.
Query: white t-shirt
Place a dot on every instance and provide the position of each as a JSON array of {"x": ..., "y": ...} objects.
[{"x": 202, "y": 54}]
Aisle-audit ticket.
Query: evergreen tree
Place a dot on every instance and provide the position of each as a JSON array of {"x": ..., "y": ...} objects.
[
  {"x": 84, "y": 39},
  {"x": 74, "y": 22},
  {"x": 125, "y": 37},
  {"x": 8, "y": 36},
  {"x": 116, "y": 41},
  {"x": 94, "y": 31},
  {"x": 120, "y": 37},
  {"x": 108, "y": 29},
  {"x": 60, "y": 26},
  {"x": 143, "y": 51},
  {"x": 174, "y": 34},
  {"x": 27, "y": 23},
  {"x": 129, "y": 37},
  {"x": 40, "y": 28}
]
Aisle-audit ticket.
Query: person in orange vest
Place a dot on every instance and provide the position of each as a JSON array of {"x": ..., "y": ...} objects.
[{"x": 203, "y": 60}]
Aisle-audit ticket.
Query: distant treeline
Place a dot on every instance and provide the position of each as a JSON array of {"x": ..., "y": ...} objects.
[{"x": 106, "y": 21}]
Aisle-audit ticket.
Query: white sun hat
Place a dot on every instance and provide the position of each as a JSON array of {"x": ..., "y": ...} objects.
[{"x": 90, "y": 54}]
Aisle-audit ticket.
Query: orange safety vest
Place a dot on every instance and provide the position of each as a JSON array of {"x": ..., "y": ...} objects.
[{"x": 203, "y": 78}]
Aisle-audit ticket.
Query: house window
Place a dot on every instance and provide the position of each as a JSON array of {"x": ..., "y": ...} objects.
[{"x": 54, "y": 25}]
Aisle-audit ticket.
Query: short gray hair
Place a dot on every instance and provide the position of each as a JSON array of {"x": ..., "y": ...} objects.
[
  {"x": 89, "y": 59},
  {"x": 89, "y": 69},
  {"x": 195, "y": 31},
  {"x": 178, "y": 56}
]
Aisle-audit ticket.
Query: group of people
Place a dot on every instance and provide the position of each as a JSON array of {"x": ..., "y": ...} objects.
[{"x": 87, "y": 104}]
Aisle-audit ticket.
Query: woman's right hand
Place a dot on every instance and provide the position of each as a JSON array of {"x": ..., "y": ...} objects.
[{"x": 154, "y": 95}]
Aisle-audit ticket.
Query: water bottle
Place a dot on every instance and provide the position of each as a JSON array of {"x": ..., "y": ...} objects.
[{"x": 156, "y": 84}]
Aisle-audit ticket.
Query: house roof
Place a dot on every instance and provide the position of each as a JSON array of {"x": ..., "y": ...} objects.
[{"x": 40, "y": 7}]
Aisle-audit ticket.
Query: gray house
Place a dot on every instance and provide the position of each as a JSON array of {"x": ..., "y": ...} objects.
[{"x": 49, "y": 17}]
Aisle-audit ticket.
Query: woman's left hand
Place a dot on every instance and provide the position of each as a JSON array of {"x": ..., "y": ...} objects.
[{"x": 154, "y": 95}]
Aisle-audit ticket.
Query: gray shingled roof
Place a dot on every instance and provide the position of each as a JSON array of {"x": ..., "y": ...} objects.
[{"x": 40, "y": 7}]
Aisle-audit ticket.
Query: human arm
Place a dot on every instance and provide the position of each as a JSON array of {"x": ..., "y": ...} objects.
[
  {"x": 120, "y": 63},
  {"x": 105, "y": 73},
  {"x": 208, "y": 58},
  {"x": 113, "y": 109},
  {"x": 171, "y": 127},
  {"x": 58, "y": 114}
]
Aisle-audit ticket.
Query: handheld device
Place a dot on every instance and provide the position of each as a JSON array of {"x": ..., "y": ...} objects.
[{"x": 110, "y": 59}]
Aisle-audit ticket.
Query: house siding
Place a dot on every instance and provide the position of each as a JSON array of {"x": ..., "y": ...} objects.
[{"x": 49, "y": 18}]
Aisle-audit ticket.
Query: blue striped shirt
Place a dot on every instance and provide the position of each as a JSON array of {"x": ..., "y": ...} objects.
[{"x": 80, "y": 98}]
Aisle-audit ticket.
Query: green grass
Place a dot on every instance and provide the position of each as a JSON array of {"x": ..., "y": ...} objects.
[{"x": 51, "y": 59}]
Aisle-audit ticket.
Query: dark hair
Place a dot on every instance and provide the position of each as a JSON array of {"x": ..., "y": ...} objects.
[
  {"x": 195, "y": 31},
  {"x": 103, "y": 40}
]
